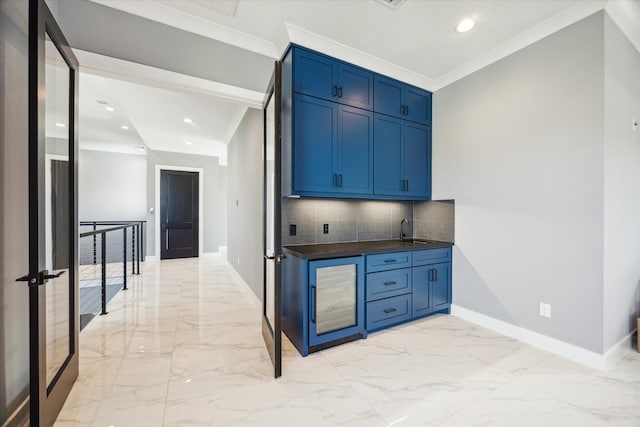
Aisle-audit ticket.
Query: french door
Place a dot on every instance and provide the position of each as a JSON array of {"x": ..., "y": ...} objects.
[
  {"x": 53, "y": 258},
  {"x": 272, "y": 262}
]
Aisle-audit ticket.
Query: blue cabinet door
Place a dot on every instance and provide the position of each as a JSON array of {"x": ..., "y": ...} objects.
[
  {"x": 431, "y": 289},
  {"x": 355, "y": 150},
  {"x": 441, "y": 286},
  {"x": 401, "y": 100},
  {"x": 388, "y": 96},
  {"x": 315, "y": 140},
  {"x": 355, "y": 86},
  {"x": 387, "y": 156},
  {"x": 315, "y": 75},
  {"x": 417, "y": 160},
  {"x": 421, "y": 297},
  {"x": 336, "y": 299},
  {"x": 417, "y": 104}
]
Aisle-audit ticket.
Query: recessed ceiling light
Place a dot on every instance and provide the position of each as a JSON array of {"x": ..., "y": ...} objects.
[
  {"x": 125, "y": 127},
  {"x": 61, "y": 125},
  {"x": 465, "y": 25},
  {"x": 188, "y": 142},
  {"x": 188, "y": 120},
  {"x": 109, "y": 108},
  {"x": 139, "y": 148}
]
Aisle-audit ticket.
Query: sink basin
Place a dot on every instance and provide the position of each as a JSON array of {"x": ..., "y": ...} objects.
[{"x": 417, "y": 241}]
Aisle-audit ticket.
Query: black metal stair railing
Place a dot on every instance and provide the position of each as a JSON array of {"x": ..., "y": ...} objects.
[{"x": 104, "y": 259}]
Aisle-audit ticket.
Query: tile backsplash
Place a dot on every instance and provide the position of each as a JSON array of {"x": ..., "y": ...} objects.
[
  {"x": 358, "y": 220},
  {"x": 348, "y": 220}
]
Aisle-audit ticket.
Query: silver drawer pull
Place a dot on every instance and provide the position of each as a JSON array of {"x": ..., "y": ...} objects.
[
  {"x": 389, "y": 283},
  {"x": 389, "y": 310},
  {"x": 390, "y": 260}
]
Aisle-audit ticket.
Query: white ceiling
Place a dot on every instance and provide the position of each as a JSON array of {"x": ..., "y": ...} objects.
[
  {"x": 416, "y": 43},
  {"x": 154, "y": 117}
]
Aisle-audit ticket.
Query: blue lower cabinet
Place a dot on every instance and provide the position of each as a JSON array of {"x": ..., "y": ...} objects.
[
  {"x": 389, "y": 311},
  {"x": 336, "y": 299},
  {"x": 387, "y": 284},
  {"x": 431, "y": 289}
]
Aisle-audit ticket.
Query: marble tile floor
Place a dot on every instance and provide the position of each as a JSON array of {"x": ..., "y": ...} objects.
[{"x": 183, "y": 347}]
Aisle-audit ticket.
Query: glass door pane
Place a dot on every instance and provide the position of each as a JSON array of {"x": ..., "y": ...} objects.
[
  {"x": 57, "y": 219},
  {"x": 271, "y": 299},
  {"x": 336, "y": 298}
]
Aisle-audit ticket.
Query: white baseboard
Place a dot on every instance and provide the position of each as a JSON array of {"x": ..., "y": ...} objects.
[
  {"x": 616, "y": 351},
  {"x": 241, "y": 280},
  {"x": 151, "y": 258},
  {"x": 209, "y": 254},
  {"x": 602, "y": 362}
]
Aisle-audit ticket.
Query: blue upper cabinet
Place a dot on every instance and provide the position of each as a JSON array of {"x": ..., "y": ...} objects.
[
  {"x": 355, "y": 150},
  {"x": 350, "y": 133},
  {"x": 333, "y": 151},
  {"x": 314, "y": 154},
  {"x": 401, "y": 100},
  {"x": 323, "y": 77},
  {"x": 402, "y": 158},
  {"x": 355, "y": 86}
]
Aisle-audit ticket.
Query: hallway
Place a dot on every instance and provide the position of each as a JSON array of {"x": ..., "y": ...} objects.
[{"x": 183, "y": 347}]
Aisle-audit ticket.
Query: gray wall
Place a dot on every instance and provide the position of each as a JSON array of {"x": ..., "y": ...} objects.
[
  {"x": 518, "y": 145},
  {"x": 213, "y": 191},
  {"x": 244, "y": 227},
  {"x": 349, "y": 220},
  {"x": 112, "y": 186},
  {"x": 14, "y": 305},
  {"x": 621, "y": 185}
]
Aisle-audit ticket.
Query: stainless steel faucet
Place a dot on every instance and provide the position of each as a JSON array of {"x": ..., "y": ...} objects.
[{"x": 402, "y": 223}]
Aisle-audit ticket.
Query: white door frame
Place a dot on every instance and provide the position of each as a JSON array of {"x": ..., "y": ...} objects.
[{"x": 200, "y": 204}]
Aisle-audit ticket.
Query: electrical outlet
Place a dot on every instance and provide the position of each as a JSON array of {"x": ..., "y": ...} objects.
[
  {"x": 325, "y": 228},
  {"x": 545, "y": 310},
  {"x": 292, "y": 230}
]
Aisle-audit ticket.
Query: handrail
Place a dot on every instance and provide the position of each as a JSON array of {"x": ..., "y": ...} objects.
[
  {"x": 106, "y": 230},
  {"x": 137, "y": 228}
]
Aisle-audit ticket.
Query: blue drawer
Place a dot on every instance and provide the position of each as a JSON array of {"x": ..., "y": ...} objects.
[
  {"x": 387, "y": 284},
  {"x": 389, "y": 311},
  {"x": 390, "y": 261},
  {"x": 430, "y": 256}
]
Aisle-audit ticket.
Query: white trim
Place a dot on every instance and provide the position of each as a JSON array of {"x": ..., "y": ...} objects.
[
  {"x": 165, "y": 14},
  {"x": 209, "y": 254},
  {"x": 552, "y": 345},
  {"x": 151, "y": 258},
  {"x": 106, "y": 66},
  {"x": 555, "y": 23},
  {"x": 242, "y": 281},
  {"x": 627, "y": 17},
  {"x": 615, "y": 353},
  {"x": 200, "y": 204},
  {"x": 341, "y": 51}
]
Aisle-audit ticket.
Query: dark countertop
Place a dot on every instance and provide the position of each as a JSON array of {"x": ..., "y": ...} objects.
[{"x": 335, "y": 250}]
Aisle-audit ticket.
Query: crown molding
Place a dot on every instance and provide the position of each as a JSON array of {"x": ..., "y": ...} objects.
[
  {"x": 105, "y": 66},
  {"x": 357, "y": 57},
  {"x": 626, "y": 15},
  {"x": 550, "y": 26},
  {"x": 165, "y": 14}
]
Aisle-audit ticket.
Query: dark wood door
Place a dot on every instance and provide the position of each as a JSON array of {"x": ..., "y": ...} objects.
[
  {"x": 179, "y": 214},
  {"x": 53, "y": 254}
]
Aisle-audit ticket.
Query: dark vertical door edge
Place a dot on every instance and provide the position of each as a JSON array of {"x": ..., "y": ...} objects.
[
  {"x": 46, "y": 400},
  {"x": 272, "y": 333}
]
